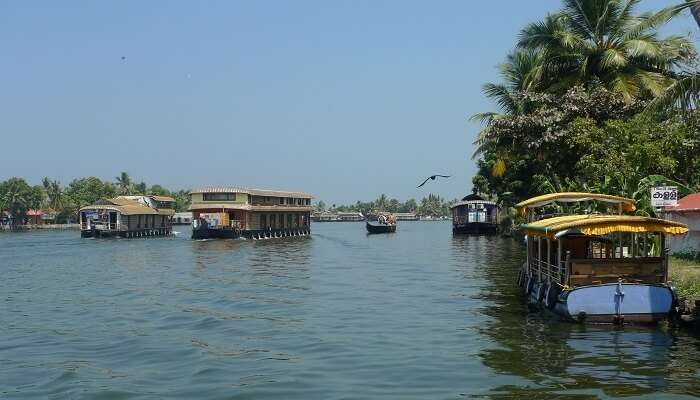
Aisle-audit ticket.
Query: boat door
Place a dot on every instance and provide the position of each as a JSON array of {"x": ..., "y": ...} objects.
[{"x": 112, "y": 220}]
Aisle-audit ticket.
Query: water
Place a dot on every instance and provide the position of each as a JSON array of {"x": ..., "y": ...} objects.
[{"x": 341, "y": 315}]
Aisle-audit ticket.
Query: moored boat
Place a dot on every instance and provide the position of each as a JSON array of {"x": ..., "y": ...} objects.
[
  {"x": 475, "y": 215},
  {"x": 598, "y": 267}
]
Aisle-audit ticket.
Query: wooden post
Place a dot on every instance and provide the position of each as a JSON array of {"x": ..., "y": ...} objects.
[
  {"x": 567, "y": 267},
  {"x": 559, "y": 267}
]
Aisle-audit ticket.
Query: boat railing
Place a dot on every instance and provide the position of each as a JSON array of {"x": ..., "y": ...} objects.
[
  {"x": 464, "y": 219},
  {"x": 100, "y": 225},
  {"x": 547, "y": 272}
]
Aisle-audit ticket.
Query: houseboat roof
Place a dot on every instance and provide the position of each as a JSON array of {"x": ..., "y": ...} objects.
[
  {"x": 599, "y": 224},
  {"x": 253, "y": 192},
  {"x": 469, "y": 202},
  {"x": 246, "y": 207},
  {"x": 163, "y": 198},
  {"x": 127, "y": 206},
  {"x": 572, "y": 197}
]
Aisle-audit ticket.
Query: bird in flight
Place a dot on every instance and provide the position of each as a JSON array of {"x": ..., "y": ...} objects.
[{"x": 433, "y": 178}]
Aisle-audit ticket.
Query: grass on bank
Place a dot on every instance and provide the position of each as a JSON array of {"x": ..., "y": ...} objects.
[{"x": 685, "y": 277}]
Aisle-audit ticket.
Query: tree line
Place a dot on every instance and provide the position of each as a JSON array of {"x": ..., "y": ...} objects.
[
  {"x": 17, "y": 196},
  {"x": 431, "y": 205},
  {"x": 590, "y": 101}
]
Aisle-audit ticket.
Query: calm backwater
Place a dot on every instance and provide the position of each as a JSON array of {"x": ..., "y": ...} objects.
[{"x": 419, "y": 314}]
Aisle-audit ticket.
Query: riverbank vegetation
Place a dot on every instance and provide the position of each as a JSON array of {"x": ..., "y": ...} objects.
[
  {"x": 17, "y": 196},
  {"x": 587, "y": 104},
  {"x": 684, "y": 273},
  {"x": 431, "y": 205}
]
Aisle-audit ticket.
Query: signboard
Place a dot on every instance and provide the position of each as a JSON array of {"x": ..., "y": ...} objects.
[{"x": 664, "y": 196}]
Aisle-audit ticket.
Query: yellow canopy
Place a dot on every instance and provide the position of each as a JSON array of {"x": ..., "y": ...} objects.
[
  {"x": 603, "y": 224},
  {"x": 628, "y": 205}
]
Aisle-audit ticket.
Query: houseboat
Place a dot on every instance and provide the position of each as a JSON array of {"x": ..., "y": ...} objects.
[
  {"x": 128, "y": 216},
  {"x": 475, "y": 215},
  {"x": 603, "y": 268},
  {"x": 231, "y": 212}
]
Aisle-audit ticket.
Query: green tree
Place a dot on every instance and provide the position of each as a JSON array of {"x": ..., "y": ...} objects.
[
  {"x": 17, "y": 196},
  {"x": 54, "y": 194},
  {"x": 605, "y": 42},
  {"x": 85, "y": 191},
  {"x": 124, "y": 184}
]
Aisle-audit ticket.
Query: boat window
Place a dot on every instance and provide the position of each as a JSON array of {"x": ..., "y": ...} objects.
[
  {"x": 219, "y": 196},
  {"x": 281, "y": 200}
]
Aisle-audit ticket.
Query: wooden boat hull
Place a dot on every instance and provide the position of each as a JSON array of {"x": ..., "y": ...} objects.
[
  {"x": 605, "y": 303},
  {"x": 475, "y": 228},
  {"x": 380, "y": 228},
  {"x": 204, "y": 232}
]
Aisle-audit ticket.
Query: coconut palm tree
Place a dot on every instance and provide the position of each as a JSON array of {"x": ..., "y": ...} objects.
[
  {"x": 124, "y": 183},
  {"x": 605, "y": 42},
  {"x": 54, "y": 194}
]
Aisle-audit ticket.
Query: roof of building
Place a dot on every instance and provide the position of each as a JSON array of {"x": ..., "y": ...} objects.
[
  {"x": 31, "y": 213},
  {"x": 253, "y": 192},
  {"x": 690, "y": 202},
  {"x": 628, "y": 205},
  {"x": 597, "y": 224}
]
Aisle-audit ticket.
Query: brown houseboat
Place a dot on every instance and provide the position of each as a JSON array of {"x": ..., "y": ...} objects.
[{"x": 230, "y": 212}]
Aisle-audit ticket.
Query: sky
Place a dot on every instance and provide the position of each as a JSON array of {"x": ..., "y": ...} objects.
[{"x": 342, "y": 99}]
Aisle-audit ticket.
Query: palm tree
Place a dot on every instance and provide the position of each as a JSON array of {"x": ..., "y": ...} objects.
[
  {"x": 685, "y": 92},
  {"x": 124, "y": 183},
  {"x": 54, "y": 193},
  {"x": 604, "y": 42}
]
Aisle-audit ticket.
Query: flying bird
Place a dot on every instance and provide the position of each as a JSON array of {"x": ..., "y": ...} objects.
[{"x": 433, "y": 178}]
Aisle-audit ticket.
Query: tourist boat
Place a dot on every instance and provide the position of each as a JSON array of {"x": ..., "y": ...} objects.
[
  {"x": 385, "y": 223},
  {"x": 597, "y": 267},
  {"x": 232, "y": 212},
  {"x": 128, "y": 216},
  {"x": 475, "y": 215}
]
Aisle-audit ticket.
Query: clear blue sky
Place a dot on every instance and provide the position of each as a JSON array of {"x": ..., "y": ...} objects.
[{"x": 343, "y": 99}]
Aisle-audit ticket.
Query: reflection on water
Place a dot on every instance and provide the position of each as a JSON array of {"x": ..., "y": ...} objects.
[
  {"x": 412, "y": 315},
  {"x": 556, "y": 358}
]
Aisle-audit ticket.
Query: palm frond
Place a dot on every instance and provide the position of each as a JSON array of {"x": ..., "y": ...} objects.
[{"x": 684, "y": 94}]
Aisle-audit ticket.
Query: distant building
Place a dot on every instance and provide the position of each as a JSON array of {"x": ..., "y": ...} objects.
[
  {"x": 687, "y": 211},
  {"x": 34, "y": 217}
]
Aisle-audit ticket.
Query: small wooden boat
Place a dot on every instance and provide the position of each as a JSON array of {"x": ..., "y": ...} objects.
[{"x": 377, "y": 227}]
